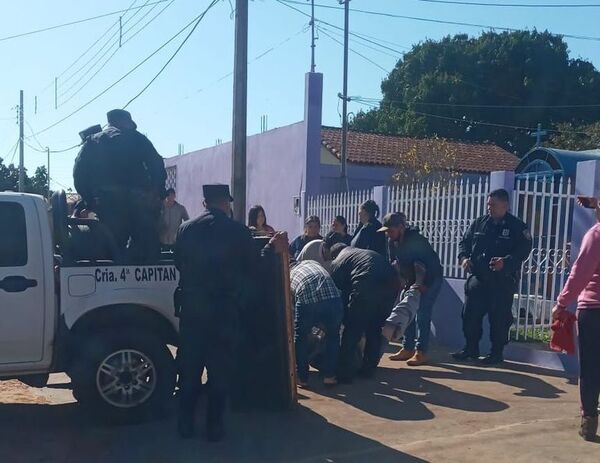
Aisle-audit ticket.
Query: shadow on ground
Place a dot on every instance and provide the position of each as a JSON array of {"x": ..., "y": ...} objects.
[
  {"x": 403, "y": 393},
  {"x": 65, "y": 434}
]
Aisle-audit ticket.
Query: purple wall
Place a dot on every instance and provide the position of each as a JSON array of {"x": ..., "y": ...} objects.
[{"x": 275, "y": 174}]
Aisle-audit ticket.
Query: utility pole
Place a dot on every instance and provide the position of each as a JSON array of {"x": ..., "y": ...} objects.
[
  {"x": 48, "y": 171},
  {"x": 312, "y": 41},
  {"x": 240, "y": 102},
  {"x": 21, "y": 145},
  {"x": 344, "y": 97}
]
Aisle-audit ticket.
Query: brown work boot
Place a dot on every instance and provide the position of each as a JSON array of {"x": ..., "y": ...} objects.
[
  {"x": 589, "y": 428},
  {"x": 402, "y": 355},
  {"x": 420, "y": 358}
]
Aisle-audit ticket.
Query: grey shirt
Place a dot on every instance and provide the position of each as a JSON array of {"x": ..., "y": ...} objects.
[{"x": 171, "y": 218}]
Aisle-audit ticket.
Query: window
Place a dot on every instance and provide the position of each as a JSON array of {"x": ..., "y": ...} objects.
[{"x": 13, "y": 235}]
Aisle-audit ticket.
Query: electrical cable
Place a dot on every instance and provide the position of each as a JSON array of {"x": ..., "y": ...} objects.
[
  {"x": 468, "y": 121},
  {"x": 485, "y": 106},
  {"x": 131, "y": 71},
  {"x": 433, "y": 20},
  {"x": 210, "y": 6},
  {"x": 71, "y": 23},
  {"x": 109, "y": 58}
]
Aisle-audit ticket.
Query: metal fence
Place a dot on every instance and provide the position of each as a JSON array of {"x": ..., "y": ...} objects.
[
  {"x": 443, "y": 212},
  {"x": 326, "y": 207},
  {"x": 546, "y": 205}
]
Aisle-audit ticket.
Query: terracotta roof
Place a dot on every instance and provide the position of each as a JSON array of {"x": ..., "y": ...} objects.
[{"x": 392, "y": 150}]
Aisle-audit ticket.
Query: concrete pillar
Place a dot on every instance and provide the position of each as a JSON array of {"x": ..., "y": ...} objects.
[
  {"x": 313, "y": 103},
  {"x": 587, "y": 183},
  {"x": 380, "y": 196}
]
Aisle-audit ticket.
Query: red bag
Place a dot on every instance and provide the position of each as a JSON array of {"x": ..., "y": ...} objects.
[{"x": 563, "y": 337}]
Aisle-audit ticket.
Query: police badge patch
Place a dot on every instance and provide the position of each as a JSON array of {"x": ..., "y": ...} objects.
[
  {"x": 505, "y": 232},
  {"x": 527, "y": 234}
]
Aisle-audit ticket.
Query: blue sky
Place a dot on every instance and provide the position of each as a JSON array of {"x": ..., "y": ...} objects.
[{"x": 191, "y": 102}]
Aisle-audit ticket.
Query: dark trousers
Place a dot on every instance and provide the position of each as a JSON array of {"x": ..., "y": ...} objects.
[
  {"x": 588, "y": 324},
  {"x": 205, "y": 345},
  {"x": 328, "y": 313},
  {"x": 494, "y": 298},
  {"x": 366, "y": 313},
  {"x": 132, "y": 215}
]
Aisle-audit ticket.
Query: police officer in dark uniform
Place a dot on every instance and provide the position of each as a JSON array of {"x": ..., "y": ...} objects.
[
  {"x": 492, "y": 251},
  {"x": 121, "y": 176},
  {"x": 217, "y": 259}
]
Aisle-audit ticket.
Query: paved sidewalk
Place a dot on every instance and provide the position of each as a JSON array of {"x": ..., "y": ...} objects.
[{"x": 440, "y": 413}]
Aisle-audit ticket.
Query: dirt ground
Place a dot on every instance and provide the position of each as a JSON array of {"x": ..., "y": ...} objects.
[{"x": 444, "y": 412}]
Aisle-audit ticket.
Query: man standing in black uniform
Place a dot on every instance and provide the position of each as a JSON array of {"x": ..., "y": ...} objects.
[
  {"x": 120, "y": 175},
  {"x": 369, "y": 285},
  {"x": 492, "y": 251},
  {"x": 216, "y": 258}
]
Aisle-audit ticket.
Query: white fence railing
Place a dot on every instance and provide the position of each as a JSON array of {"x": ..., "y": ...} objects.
[
  {"x": 443, "y": 212},
  {"x": 546, "y": 205},
  {"x": 326, "y": 207}
]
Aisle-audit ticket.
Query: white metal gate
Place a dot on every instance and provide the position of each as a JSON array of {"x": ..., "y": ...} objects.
[
  {"x": 546, "y": 205},
  {"x": 443, "y": 213}
]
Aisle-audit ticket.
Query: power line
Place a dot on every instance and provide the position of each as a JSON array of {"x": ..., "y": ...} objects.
[
  {"x": 361, "y": 36},
  {"x": 355, "y": 52},
  {"x": 484, "y": 106},
  {"x": 436, "y": 21},
  {"x": 211, "y": 5},
  {"x": 515, "y": 5},
  {"x": 79, "y": 21},
  {"x": 12, "y": 147},
  {"x": 468, "y": 120},
  {"x": 89, "y": 48},
  {"x": 131, "y": 71},
  {"x": 110, "y": 57},
  {"x": 378, "y": 50},
  {"x": 114, "y": 43}
]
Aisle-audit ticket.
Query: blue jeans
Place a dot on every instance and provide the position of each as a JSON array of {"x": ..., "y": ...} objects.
[
  {"x": 423, "y": 319},
  {"x": 328, "y": 313}
]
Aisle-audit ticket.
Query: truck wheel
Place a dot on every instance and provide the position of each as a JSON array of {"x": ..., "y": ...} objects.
[{"x": 124, "y": 378}]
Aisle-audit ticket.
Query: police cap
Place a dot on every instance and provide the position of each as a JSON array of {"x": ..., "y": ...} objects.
[
  {"x": 121, "y": 119},
  {"x": 216, "y": 192}
]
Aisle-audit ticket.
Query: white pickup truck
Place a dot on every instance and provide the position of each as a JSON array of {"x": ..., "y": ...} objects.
[{"x": 109, "y": 326}]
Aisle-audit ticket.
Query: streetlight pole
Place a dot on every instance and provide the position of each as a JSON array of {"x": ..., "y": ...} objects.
[{"x": 344, "y": 97}]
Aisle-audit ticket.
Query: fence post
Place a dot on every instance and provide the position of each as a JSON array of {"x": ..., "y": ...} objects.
[
  {"x": 504, "y": 179},
  {"x": 380, "y": 196},
  {"x": 587, "y": 183}
]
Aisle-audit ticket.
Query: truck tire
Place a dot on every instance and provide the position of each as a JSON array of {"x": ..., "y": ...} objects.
[{"x": 122, "y": 377}]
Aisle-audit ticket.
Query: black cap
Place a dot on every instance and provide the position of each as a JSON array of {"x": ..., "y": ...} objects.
[
  {"x": 90, "y": 131},
  {"x": 393, "y": 219},
  {"x": 213, "y": 192},
  {"x": 120, "y": 118}
]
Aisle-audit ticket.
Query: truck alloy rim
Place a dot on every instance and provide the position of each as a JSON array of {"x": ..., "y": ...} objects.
[{"x": 126, "y": 378}]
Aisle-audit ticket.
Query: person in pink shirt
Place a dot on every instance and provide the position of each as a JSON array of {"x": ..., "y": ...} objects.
[{"x": 583, "y": 286}]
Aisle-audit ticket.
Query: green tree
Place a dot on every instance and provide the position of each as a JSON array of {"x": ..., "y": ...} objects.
[
  {"x": 430, "y": 90},
  {"x": 9, "y": 179},
  {"x": 576, "y": 138}
]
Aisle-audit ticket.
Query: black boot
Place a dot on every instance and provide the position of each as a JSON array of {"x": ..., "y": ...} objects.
[
  {"x": 494, "y": 358},
  {"x": 589, "y": 428},
  {"x": 468, "y": 353}
]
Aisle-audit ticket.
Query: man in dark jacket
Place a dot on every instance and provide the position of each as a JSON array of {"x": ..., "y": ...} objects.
[
  {"x": 369, "y": 286},
  {"x": 120, "y": 175},
  {"x": 216, "y": 258},
  {"x": 406, "y": 246},
  {"x": 492, "y": 251}
]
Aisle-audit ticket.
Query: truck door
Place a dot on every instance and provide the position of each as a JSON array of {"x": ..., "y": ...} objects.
[{"x": 22, "y": 295}]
